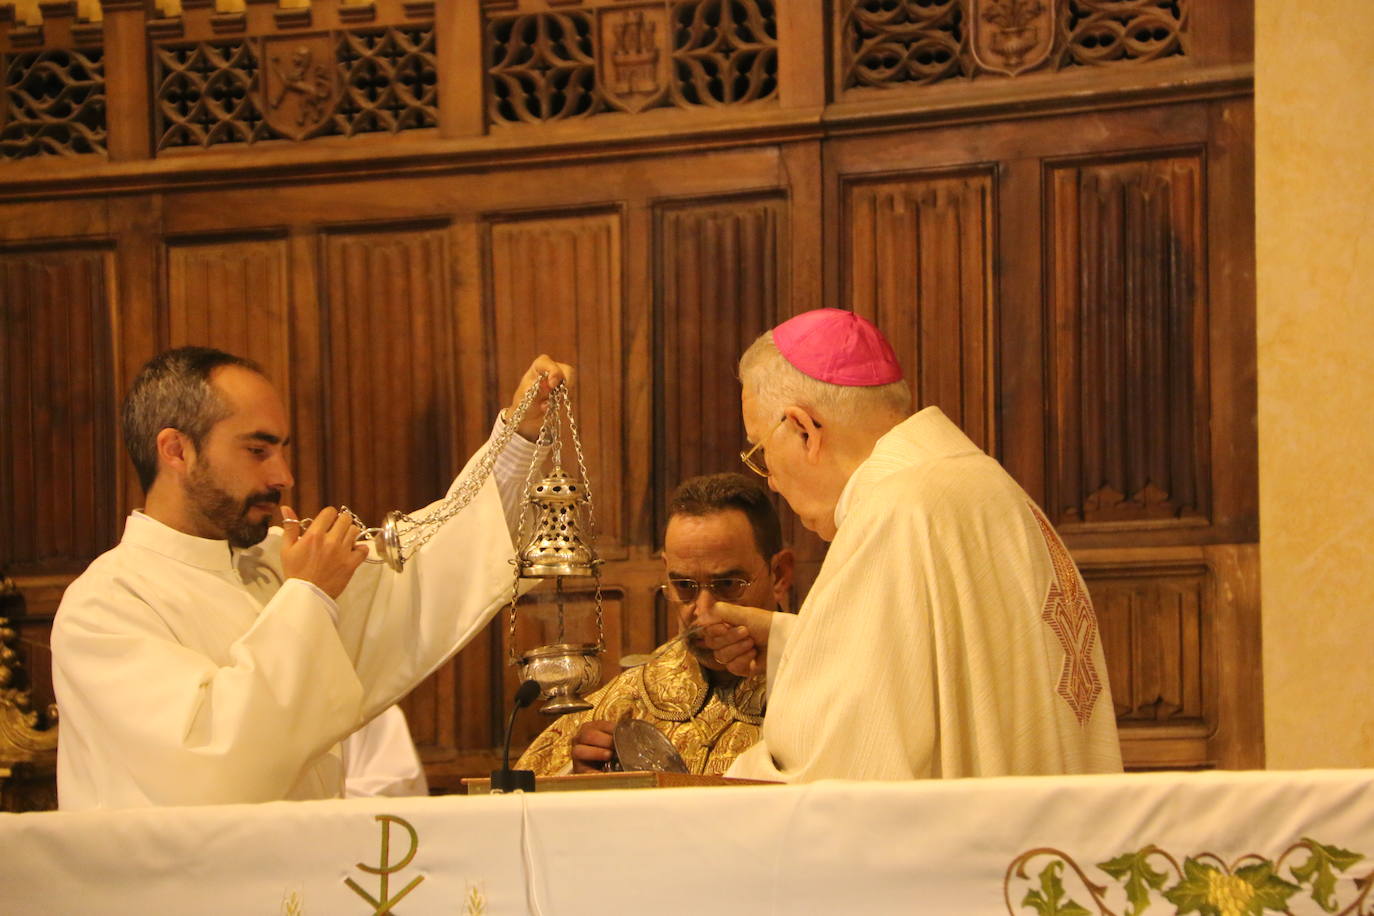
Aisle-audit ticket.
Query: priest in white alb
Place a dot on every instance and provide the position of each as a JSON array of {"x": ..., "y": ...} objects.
[
  {"x": 211, "y": 657},
  {"x": 948, "y": 632}
]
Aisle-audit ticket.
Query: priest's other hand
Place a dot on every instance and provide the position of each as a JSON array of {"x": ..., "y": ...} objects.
[
  {"x": 326, "y": 555},
  {"x": 591, "y": 747},
  {"x": 555, "y": 372},
  {"x": 737, "y": 636}
]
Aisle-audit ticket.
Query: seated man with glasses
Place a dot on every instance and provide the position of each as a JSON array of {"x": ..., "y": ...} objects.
[{"x": 723, "y": 542}]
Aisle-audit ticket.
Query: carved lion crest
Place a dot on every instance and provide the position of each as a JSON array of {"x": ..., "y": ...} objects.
[{"x": 300, "y": 86}]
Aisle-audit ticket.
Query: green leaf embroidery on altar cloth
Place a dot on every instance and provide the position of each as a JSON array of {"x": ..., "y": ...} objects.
[
  {"x": 1134, "y": 869},
  {"x": 1318, "y": 871},
  {"x": 1047, "y": 900},
  {"x": 1154, "y": 881}
]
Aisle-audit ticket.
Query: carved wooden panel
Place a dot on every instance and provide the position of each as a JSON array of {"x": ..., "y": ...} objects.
[
  {"x": 247, "y": 89},
  {"x": 565, "y": 63},
  {"x": 232, "y": 294},
  {"x": 919, "y": 263},
  {"x": 389, "y": 401},
  {"x": 721, "y": 281},
  {"x": 888, "y": 43},
  {"x": 57, "y": 409},
  {"x": 392, "y": 423},
  {"x": 1156, "y": 629},
  {"x": 555, "y": 286},
  {"x": 1098, "y": 32},
  {"x": 54, "y": 103},
  {"x": 1128, "y": 349}
]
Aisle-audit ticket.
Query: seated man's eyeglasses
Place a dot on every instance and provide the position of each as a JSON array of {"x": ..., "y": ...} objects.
[
  {"x": 757, "y": 463},
  {"x": 685, "y": 591}
]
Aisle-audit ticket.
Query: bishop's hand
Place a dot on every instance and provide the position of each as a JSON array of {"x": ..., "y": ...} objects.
[{"x": 737, "y": 636}]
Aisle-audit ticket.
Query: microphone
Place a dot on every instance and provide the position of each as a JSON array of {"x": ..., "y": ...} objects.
[{"x": 506, "y": 779}]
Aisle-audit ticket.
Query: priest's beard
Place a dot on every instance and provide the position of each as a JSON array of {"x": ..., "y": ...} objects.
[{"x": 224, "y": 513}]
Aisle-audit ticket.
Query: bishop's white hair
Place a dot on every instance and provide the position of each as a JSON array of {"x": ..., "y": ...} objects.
[{"x": 775, "y": 383}]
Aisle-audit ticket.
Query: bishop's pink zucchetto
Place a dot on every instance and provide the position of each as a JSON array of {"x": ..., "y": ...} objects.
[{"x": 836, "y": 346}]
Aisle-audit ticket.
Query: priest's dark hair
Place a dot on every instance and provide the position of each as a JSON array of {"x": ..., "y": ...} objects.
[
  {"x": 711, "y": 493},
  {"x": 173, "y": 391}
]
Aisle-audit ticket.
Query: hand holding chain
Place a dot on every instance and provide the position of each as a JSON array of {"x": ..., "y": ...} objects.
[{"x": 400, "y": 534}]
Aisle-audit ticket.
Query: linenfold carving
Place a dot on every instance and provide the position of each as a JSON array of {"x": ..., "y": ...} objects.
[
  {"x": 1156, "y": 624},
  {"x": 1129, "y": 363}
]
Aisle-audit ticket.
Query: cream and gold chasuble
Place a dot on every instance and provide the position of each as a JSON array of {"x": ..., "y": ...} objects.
[{"x": 948, "y": 633}]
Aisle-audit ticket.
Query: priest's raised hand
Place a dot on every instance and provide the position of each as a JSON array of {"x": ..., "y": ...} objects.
[{"x": 326, "y": 554}]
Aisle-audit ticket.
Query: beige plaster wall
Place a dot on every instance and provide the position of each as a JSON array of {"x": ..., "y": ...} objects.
[{"x": 1314, "y": 74}]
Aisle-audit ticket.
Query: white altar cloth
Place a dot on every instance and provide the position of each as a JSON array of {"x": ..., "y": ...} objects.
[{"x": 967, "y": 847}]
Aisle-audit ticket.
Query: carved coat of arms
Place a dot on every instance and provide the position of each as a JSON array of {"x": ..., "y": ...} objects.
[
  {"x": 1012, "y": 36},
  {"x": 632, "y": 60},
  {"x": 300, "y": 87}
]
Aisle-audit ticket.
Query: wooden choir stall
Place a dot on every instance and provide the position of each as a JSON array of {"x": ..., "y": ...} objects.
[{"x": 393, "y": 205}]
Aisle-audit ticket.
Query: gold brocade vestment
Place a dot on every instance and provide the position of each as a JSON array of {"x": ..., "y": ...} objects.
[{"x": 709, "y": 725}]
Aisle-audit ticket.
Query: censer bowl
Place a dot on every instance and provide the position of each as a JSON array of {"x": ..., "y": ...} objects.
[{"x": 563, "y": 671}]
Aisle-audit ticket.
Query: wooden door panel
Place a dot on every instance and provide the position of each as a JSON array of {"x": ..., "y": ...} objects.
[
  {"x": 920, "y": 255},
  {"x": 57, "y": 408},
  {"x": 1128, "y": 354}
]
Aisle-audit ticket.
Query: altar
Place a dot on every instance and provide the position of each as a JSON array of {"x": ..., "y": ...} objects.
[{"x": 1218, "y": 842}]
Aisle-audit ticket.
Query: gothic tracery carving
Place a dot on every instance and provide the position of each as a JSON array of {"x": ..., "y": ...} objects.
[
  {"x": 541, "y": 68},
  {"x": 886, "y": 43},
  {"x": 207, "y": 93},
  {"x": 568, "y": 63},
  {"x": 55, "y": 103},
  {"x": 726, "y": 51},
  {"x": 245, "y": 90},
  {"x": 913, "y": 41},
  {"x": 1100, "y": 32}
]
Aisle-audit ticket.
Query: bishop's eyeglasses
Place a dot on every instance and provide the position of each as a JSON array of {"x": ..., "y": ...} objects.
[
  {"x": 759, "y": 464},
  {"x": 685, "y": 591}
]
